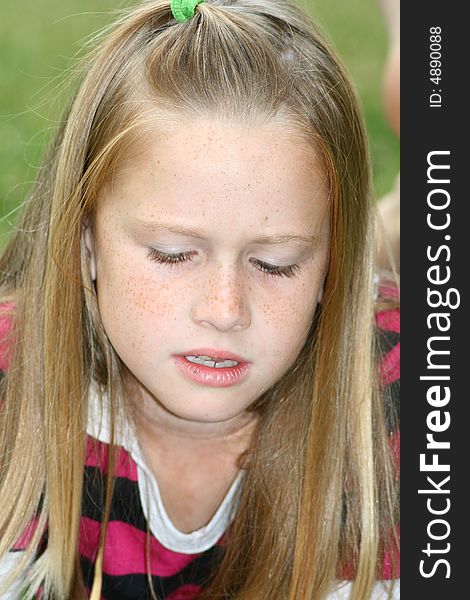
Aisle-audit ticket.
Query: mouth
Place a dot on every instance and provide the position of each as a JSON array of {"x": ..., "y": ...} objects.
[
  {"x": 209, "y": 361},
  {"x": 215, "y": 368},
  {"x": 213, "y": 355}
]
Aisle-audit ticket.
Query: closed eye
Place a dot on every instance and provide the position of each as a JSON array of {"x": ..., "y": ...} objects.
[
  {"x": 173, "y": 259},
  {"x": 274, "y": 270},
  {"x": 169, "y": 259}
]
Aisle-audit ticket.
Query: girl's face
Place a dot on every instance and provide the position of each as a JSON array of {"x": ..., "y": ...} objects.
[{"x": 213, "y": 241}]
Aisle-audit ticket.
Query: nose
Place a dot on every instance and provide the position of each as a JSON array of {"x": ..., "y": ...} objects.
[{"x": 223, "y": 302}]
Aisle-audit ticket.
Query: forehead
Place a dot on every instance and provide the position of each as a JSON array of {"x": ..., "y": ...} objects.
[{"x": 210, "y": 170}]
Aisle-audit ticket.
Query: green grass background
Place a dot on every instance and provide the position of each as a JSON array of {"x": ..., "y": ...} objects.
[{"x": 38, "y": 39}]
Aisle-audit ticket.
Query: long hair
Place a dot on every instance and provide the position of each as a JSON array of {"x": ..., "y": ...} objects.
[{"x": 318, "y": 495}]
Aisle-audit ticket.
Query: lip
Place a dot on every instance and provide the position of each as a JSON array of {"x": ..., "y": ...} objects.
[
  {"x": 219, "y": 354},
  {"x": 210, "y": 376}
]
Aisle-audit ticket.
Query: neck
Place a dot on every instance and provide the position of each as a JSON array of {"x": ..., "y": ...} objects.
[
  {"x": 154, "y": 421},
  {"x": 205, "y": 456}
]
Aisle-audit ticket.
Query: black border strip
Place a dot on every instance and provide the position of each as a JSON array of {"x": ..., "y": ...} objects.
[{"x": 429, "y": 126}]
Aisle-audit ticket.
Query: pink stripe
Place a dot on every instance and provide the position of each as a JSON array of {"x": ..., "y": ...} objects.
[
  {"x": 390, "y": 366},
  {"x": 224, "y": 538},
  {"x": 185, "y": 592},
  {"x": 388, "y": 290},
  {"x": 6, "y": 327},
  {"x": 388, "y": 320},
  {"x": 89, "y": 536},
  {"x": 25, "y": 539},
  {"x": 125, "y": 550},
  {"x": 387, "y": 571},
  {"x": 88, "y": 593},
  {"x": 97, "y": 456}
]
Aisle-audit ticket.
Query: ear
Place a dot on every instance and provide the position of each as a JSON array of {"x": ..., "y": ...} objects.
[{"x": 89, "y": 241}]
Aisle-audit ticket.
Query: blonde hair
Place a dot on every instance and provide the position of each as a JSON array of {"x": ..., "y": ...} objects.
[{"x": 319, "y": 489}]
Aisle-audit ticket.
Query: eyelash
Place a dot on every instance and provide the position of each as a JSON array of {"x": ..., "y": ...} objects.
[{"x": 181, "y": 257}]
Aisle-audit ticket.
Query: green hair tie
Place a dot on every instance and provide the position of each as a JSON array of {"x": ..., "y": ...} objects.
[{"x": 184, "y": 9}]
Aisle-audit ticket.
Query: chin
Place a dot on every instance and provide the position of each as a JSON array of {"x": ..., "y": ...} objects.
[{"x": 199, "y": 415}]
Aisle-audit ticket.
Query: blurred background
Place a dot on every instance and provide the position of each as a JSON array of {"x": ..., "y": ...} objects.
[{"x": 39, "y": 38}]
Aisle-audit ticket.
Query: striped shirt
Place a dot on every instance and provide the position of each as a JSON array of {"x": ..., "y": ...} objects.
[{"x": 141, "y": 541}]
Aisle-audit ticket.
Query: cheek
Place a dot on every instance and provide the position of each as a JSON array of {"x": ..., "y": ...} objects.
[
  {"x": 287, "y": 321},
  {"x": 148, "y": 297},
  {"x": 131, "y": 302},
  {"x": 137, "y": 314}
]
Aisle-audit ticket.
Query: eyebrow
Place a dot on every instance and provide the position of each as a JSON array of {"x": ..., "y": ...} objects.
[{"x": 200, "y": 234}]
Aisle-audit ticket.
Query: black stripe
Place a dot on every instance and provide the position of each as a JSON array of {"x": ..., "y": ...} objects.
[
  {"x": 386, "y": 340},
  {"x": 125, "y": 506},
  {"x": 135, "y": 586},
  {"x": 391, "y": 398}
]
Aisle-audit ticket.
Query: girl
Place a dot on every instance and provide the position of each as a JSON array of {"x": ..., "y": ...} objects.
[{"x": 192, "y": 400}]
